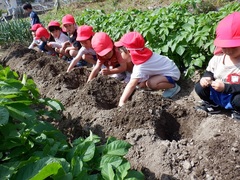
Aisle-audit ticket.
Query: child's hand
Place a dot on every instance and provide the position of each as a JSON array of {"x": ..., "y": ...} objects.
[
  {"x": 67, "y": 49},
  {"x": 105, "y": 71},
  {"x": 120, "y": 104},
  {"x": 205, "y": 81},
  {"x": 218, "y": 85}
]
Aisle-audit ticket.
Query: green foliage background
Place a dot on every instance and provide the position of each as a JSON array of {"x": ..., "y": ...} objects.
[{"x": 183, "y": 31}]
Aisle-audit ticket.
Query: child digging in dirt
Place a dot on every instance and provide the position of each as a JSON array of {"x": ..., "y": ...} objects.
[
  {"x": 35, "y": 43},
  {"x": 59, "y": 37},
  {"x": 109, "y": 56},
  {"x": 84, "y": 36},
  {"x": 71, "y": 47},
  {"x": 219, "y": 87},
  {"x": 43, "y": 35},
  {"x": 150, "y": 69}
]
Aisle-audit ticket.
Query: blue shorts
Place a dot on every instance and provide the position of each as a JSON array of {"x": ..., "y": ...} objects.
[
  {"x": 42, "y": 46},
  {"x": 170, "y": 79},
  {"x": 221, "y": 99}
]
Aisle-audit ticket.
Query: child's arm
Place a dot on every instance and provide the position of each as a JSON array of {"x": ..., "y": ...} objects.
[
  {"x": 54, "y": 44},
  {"x": 75, "y": 60},
  {"x": 231, "y": 88},
  {"x": 65, "y": 44},
  {"x": 95, "y": 71},
  {"x": 128, "y": 91},
  {"x": 119, "y": 69},
  {"x": 206, "y": 79}
]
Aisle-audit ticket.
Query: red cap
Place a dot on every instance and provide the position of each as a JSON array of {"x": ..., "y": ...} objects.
[
  {"x": 54, "y": 23},
  {"x": 228, "y": 31},
  {"x": 36, "y": 26},
  {"x": 68, "y": 19},
  {"x": 42, "y": 32},
  {"x": 102, "y": 43},
  {"x": 134, "y": 42},
  {"x": 84, "y": 32}
]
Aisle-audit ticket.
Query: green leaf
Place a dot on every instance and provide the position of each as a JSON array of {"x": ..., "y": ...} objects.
[
  {"x": 48, "y": 170},
  {"x": 24, "y": 79},
  {"x": 76, "y": 166},
  {"x": 86, "y": 150},
  {"x": 7, "y": 170},
  {"x": 20, "y": 111},
  {"x": 4, "y": 115},
  {"x": 107, "y": 172},
  {"x": 134, "y": 175},
  {"x": 8, "y": 90},
  {"x": 111, "y": 159},
  {"x": 41, "y": 169},
  {"x": 54, "y": 104},
  {"x": 180, "y": 50},
  {"x": 117, "y": 147},
  {"x": 122, "y": 170}
]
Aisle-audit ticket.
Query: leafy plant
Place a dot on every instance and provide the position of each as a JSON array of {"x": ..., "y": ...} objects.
[
  {"x": 15, "y": 31},
  {"x": 32, "y": 148}
]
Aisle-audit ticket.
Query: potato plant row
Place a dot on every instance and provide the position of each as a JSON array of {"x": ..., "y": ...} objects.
[{"x": 32, "y": 148}]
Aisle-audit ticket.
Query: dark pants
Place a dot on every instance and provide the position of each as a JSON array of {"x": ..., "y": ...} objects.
[{"x": 204, "y": 94}]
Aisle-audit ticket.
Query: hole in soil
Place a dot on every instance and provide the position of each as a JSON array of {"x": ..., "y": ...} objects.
[
  {"x": 105, "y": 105},
  {"x": 167, "y": 127}
]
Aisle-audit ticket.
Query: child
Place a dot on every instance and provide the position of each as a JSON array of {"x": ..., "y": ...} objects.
[
  {"x": 219, "y": 88},
  {"x": 43, "y": 34},
  {"x": 33, "y": 15},
  {"x": 84, "y": 36},
  {"x": 150, "y": 69},
  {"x": 59, "y": 37},
  {"x": 126, "y": 55},
  {"x": 109, "y": 56},
  {"x": 35, "y": 42},
  {"x": 71, "y": 47}
]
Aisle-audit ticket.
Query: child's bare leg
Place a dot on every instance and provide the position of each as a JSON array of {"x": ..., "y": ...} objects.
[
  {"x": 63, "y": 52},
  {"x": 89, "y": 58},
  {"x": 159, "y": 82},
  {"x": 73, "y": 53},
  {"x": 142, "y": 84}
]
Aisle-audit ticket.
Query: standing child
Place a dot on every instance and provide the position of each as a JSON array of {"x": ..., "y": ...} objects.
[
  {"x": 84, "y": 36},
  {"x": 109, "y": 56},
  {"x": 71, "y": 47},
  {"x": 34, "y": 19},
  {"x": 219, "y": 88},
  {"x": 59, "y": 37},
  {"x": 43, "y": 34},
  {"x": 150, "y": 69}
]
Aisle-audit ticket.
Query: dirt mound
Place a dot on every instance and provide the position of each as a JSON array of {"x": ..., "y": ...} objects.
[{"x": 170, "y": 139}]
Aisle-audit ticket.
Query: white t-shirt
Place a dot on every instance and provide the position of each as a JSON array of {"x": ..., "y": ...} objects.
[
  {"x": 221, "y": 71},
  {"x": 59, "y": 41},
  {"x": 156, "y": 65},
  {"x": 84, "y": 50}
]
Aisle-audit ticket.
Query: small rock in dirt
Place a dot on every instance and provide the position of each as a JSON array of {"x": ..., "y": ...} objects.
[
  {"x": 187, "y": 165},
  {"x": 234, "y": 149}
]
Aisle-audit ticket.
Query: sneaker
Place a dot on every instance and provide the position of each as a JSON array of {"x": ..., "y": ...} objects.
[
  {"x": 235, "y": 115},
  {"x": 209, "y": 108},
  {"x": 169, "y": 93}
]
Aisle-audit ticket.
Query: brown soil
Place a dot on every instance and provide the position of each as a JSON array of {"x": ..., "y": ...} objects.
[{"x": 171, "y": 140}]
